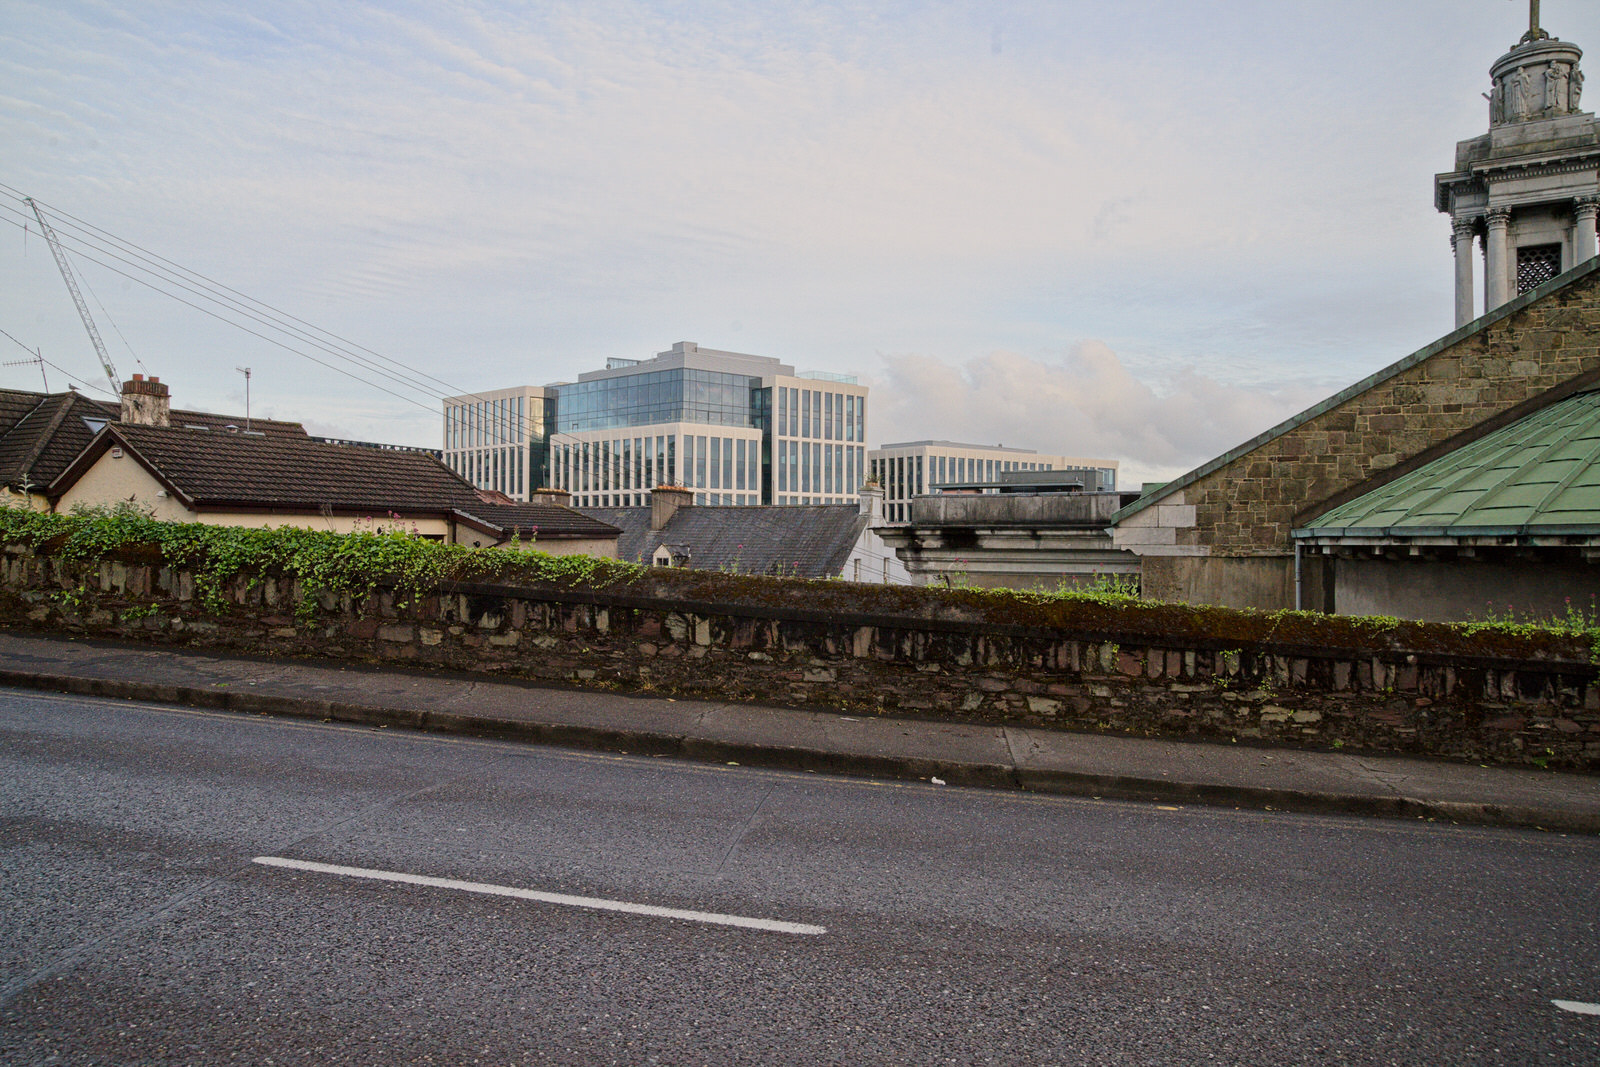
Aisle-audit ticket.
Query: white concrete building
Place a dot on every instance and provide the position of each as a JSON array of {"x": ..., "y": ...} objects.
[
  {"x": 733, "y": 428},
  {"x": 498, "y": 439},
  {"x": 913, "y": 468},
  {"x": 1529, "y": 189}
]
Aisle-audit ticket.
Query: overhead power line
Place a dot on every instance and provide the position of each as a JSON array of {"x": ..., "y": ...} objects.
[
  {"x": 228, "y": 305},
  {"x": 87, "y": 242}
]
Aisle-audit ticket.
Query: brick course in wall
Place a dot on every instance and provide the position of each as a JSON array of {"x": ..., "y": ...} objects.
[{"x": 886, "y": 651}]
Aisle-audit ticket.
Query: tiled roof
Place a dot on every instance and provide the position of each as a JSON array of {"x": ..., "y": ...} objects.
[
  {"x": 1541, "y": 474},
  {"x": 14, "y": 404},
  {"x": 223, "y": 469},
  {"x": 41, "y": 433},
  {"x": 806, "y": 541},
  {"x": 220, "y": 468},
  {"x": 39, "y": 445},
  {"x": 210, "y": 420},
  {"x": 534, "y": 521}
]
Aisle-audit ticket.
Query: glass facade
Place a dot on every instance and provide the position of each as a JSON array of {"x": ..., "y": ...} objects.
[
  {"x": 735, "y": 428},
  {"x": 712, "y": 398}
]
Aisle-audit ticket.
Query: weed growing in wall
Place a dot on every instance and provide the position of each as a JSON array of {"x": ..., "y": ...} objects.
[
  {"x": 356, "y": 565},
  {"x": 1576, "y": 620}
]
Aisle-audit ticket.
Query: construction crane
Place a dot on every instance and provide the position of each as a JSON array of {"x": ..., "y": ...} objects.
[{"x": 77, "y": 297}]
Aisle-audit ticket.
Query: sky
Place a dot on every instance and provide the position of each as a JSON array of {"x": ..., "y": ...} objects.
[{"x": 1143, "y": 230}]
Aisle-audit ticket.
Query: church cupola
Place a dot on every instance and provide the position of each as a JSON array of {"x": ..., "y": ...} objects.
[{"x": 1529, "y": 189}]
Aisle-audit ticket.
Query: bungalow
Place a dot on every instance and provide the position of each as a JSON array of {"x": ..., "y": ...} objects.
[{"x": 222, "y": 475}]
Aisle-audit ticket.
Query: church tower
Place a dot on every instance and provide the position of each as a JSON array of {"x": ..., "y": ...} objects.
[{"x": 1530, "y": 187}]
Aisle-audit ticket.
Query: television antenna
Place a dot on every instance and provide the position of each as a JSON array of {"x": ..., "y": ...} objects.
[{"x": 246, "y": 372}]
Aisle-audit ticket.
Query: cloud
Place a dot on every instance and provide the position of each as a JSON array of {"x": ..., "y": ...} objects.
[
  {"x": 1085, "y": 404},
  {"x": 508, "y": 193}
]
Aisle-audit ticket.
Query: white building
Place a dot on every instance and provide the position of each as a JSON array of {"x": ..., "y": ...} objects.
[
  {"x": 735, "y": 429},
  {"x": 1529, "y": 189},
  {"x": 912, "y": 468},
  {"x": 498, "y": 439}
]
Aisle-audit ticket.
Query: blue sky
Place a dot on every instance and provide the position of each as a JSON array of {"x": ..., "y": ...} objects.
[{"x": 1144, "y": 230}]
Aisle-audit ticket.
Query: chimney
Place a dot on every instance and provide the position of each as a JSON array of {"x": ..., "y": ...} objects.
[
  {"x": 872, "y": 503},
  {"x": 559, "y": 497},
  {"x": 665, "y": 500},
  {"x": 146, "y": 403}
]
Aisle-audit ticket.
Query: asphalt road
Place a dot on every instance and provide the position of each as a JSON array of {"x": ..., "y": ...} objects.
[{"x": 926, "y": 925}]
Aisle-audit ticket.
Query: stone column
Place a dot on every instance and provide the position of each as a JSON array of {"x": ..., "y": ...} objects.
[
  {"x": 1497, "y": 257},
  {"x": 1463, "y": 247},
  {"x": 1584, "y": 210}
]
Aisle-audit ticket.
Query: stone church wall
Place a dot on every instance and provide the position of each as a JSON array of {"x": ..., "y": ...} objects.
[{"x": 1538, "y": 348}]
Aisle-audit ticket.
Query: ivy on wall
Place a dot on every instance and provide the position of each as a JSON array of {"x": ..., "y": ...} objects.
[
  {"x": 352, "y": 564},
  {"x": 357, "y": 564}
]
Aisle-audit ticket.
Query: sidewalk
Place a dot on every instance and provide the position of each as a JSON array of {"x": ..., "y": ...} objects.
[{"x": 958, "y": 754}]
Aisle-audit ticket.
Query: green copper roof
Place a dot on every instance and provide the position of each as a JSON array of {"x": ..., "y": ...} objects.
[{"x": 1538, "y": 475}]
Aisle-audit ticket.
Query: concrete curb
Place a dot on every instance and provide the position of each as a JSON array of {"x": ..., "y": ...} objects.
[{"x": 714, "y": 750}]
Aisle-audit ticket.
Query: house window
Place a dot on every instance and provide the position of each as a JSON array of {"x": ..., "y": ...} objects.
[{"x": 1536, "y": 265}]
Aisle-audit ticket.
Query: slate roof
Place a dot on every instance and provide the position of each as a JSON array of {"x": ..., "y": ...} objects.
[
  {"x": 41, "y": 433},
  {"x": 809, "y": 541},
  {"x": 536, "y": 521},
  {"x": 1539, "y": 475}
]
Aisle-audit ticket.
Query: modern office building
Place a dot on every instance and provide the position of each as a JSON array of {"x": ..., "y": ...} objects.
[
  {"x": 912, "y": 468},
  {"x": 733, "y": 428},
  {"x": 499, "y": 439}
]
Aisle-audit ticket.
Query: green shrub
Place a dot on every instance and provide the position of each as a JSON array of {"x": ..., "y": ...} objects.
[{"x": 323, "y": 563}]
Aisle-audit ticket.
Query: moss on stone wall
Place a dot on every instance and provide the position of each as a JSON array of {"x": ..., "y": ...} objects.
[{"x": 356, "y": 564}]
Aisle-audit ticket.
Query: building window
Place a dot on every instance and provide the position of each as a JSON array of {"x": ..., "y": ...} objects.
[{"x": 1536, "y": 265}]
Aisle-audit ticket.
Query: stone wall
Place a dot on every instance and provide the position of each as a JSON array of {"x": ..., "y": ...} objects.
[{"x": 1151, "y": 670}]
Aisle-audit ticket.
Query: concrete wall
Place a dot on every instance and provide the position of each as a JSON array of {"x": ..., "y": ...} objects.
[
  {"x": 604, "y": 548},
  {"x": 876, "y": 649},
  {"x": 1011, "y": 540},
  {"x": 1464, "y": 589},
  {"x": 1265, "y": 583},
  {"x": 116, "y": 479},
  {"x": 1015, "y": 509}
]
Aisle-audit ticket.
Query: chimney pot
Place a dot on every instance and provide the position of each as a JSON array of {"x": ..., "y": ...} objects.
[{"x": 145, "y": 403}]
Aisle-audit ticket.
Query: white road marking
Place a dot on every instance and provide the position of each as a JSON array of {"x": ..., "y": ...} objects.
[
  {"x": 1578, "y": 1006},
  {"x": 594, "y": 903}
]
